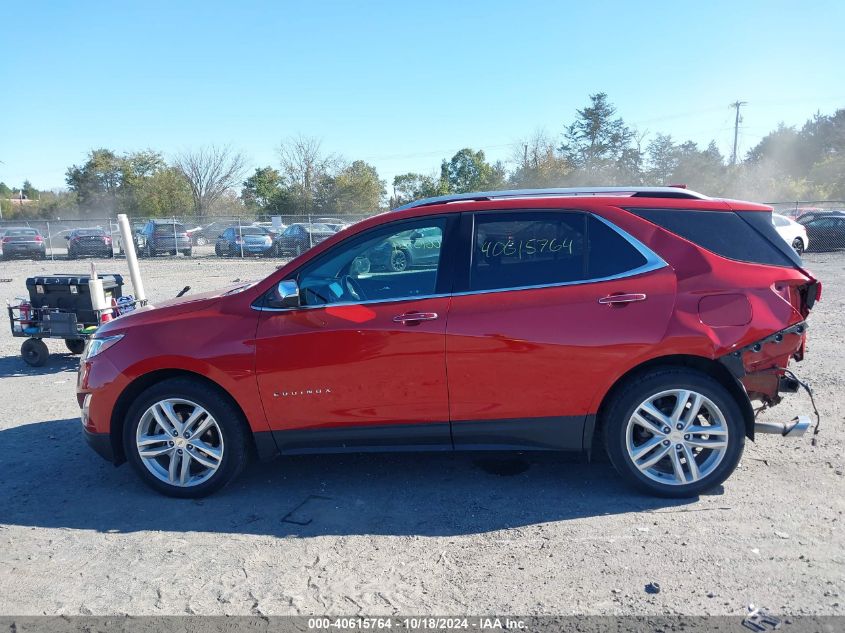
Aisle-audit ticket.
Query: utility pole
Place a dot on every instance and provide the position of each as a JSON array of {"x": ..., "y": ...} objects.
[{"x": 737, "y": 105}]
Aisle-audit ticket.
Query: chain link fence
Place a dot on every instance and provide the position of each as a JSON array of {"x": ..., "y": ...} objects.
[
  {"x": 226, "y": 236},
  {"x": 817, "y": 225}
]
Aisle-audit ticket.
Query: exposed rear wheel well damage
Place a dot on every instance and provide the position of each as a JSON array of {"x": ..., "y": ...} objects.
[
  {"x": 139, "y": 385},
  {"x": 706, "y": 366}
]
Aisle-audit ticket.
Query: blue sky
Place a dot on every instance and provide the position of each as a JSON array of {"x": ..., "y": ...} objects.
[{"x": 399, "y": 84}]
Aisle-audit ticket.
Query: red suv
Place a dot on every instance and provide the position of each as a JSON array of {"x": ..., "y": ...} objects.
[{"x": 643, "y": 319}]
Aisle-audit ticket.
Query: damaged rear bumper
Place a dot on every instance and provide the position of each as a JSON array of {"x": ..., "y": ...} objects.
[
  {"x": 761, "y": 369},
  {"x": 761, "y": 366}
]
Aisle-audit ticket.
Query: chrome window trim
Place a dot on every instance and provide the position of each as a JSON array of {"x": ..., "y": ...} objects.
[{"x": 653, "y": 262}]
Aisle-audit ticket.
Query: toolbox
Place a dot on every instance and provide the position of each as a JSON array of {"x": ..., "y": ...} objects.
[{"x": 69, "y": 293}]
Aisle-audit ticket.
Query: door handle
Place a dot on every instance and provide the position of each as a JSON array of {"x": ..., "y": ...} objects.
[
  {"x": 622, "y": 299},
  {"x": 414, "y": 317}
]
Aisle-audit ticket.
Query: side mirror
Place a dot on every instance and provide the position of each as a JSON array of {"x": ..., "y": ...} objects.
[
  {"x": 415, "y": 235},
  {"x": 287, "y": 294}
]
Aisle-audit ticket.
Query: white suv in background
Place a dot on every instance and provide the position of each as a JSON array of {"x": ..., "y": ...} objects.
[{"x": 793, "y": 233}]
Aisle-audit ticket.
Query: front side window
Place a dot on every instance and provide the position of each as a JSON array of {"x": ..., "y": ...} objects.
[
  {"x": 524, "y": 249},
  {"x": 387, "y": 263}
]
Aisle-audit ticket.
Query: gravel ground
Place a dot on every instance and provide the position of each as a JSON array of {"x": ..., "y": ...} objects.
[{"x": 392, "y": 534}]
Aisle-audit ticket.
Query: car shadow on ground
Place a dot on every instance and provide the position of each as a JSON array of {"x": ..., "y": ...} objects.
[
  {"x": 15, "y": 366},
  {"x": 50, "y": 478}
]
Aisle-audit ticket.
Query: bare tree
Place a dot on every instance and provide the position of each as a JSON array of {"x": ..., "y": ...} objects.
[
  {"x": 305, "y": 167},
  {"x": 210, "y": 172}
]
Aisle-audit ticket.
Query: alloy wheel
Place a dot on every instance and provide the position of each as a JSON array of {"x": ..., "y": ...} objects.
[
  {"x": 398, "y": 261},
  {"x": 677, "y": 437},
  {"x": 179, "y": 442}
]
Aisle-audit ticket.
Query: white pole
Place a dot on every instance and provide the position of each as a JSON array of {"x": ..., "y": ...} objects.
[{"x": 131, "y": 258}]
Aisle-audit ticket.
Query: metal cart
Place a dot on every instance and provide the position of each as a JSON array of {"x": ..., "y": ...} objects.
[{"x": 36, "y": 324}]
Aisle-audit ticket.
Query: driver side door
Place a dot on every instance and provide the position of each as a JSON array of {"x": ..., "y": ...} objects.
[{"x": 361, "y": 362}]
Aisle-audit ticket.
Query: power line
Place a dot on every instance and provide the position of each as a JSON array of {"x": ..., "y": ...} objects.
[{"x": 737, "y": 105}]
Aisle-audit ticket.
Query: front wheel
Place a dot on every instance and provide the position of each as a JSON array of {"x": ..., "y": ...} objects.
[
  {"x": 185, "y": 438},
  {"x": 201, "y": 241},
  {"x": 798, "y": 246},
  {"x": 674, "y": 433}
]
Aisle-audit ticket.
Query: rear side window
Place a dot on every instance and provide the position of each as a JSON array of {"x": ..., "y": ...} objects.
[
  {"x": 748, "y": 236},
  {"x": 524, "y": 249}
]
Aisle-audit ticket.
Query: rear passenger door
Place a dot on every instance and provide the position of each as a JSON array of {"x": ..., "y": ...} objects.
[{"x": 551, "y": 303}]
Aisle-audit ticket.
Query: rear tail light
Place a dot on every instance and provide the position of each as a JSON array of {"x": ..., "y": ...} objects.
[
  {"x": 39, "y": 239},
  {"x": 6, "y": 240},
  {"x": 107, "y": 239}
]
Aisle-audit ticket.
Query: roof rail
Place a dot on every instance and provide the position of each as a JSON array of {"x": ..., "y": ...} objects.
[{"x": 631, "y": 192}]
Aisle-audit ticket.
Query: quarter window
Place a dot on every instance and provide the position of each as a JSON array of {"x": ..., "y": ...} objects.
[{"x": 523, "y": 249}]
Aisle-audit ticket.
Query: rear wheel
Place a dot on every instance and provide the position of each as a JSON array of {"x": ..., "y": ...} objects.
[
  {"x": 34, "y": 352},
  {"x": 674, "y": 433},
  {"x": 201, "y": 241},
  {"x": 184, "y": 438}
]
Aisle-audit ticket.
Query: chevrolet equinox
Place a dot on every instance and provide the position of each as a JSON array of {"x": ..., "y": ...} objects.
[{"x": 641, "y": 321}]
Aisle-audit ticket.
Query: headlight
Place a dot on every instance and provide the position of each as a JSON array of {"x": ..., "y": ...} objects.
[{"x": 97, "y": 345}]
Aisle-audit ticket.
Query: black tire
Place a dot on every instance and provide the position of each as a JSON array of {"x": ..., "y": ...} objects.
[
  {"x": 149, "y": 252},
  {"x": 110, "y": 255},
  {"x": 298, "y": 250},
  {"x": 625, "y": 402},
  {"x": 798, "y": 246},
  {"x": 34, "y": 352},
  {"x": 75, "y": 345},
  {"x": 217, "y": 250},
  {"x": 71, "y": 255},
  {"x": 229, "y": 419}
]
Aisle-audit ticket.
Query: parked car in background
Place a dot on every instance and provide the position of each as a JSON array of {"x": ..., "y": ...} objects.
[
  {"x": 22, "y": 241},
  {"x": 826, "y": 232},
  {"x": 164, "y": 236},
  {"x": 793, "y": 233},
  {"x": 405, "y": 250},
  {"x": 93, "y": 242},
  {"x": 809, "y": 216},
  {"x": 640, "y": 321},
  {"x": 273, "y": 230},
  {"x": 208, "y": 233},
  {"x": 136, "y": 228},
  {"x": 335, "y": 224},
  {"x": 299, "y": 237},
  {"x": 240, "y": 241}
]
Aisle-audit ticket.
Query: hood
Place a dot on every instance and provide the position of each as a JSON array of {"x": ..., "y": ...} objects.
[{"x": 164, "y": 310}]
